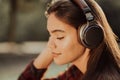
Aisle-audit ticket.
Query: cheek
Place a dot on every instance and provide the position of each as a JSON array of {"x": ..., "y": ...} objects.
[
  {"x": 71, "y": 50},
  {"x": 70, "y": 43},
  {"x": 65, "y": 45},
  {"x": 70, "y": 46}
]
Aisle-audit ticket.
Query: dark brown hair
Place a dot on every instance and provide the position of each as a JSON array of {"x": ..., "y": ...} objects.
[
  {"x": 68, "y": 13},
  {"x": 102, "y": 64}
]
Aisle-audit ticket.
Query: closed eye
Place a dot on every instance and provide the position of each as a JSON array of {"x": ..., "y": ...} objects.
[{"x": 60, "y": 38}]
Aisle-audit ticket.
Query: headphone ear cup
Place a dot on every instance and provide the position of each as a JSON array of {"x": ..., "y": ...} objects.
[{"x": 91, "y": 35}]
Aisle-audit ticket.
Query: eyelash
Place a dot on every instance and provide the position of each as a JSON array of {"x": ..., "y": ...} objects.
[{"x": 60, "y": 38}]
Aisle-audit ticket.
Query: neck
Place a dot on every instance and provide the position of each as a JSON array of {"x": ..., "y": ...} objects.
[{"x": 81, "y": 62}]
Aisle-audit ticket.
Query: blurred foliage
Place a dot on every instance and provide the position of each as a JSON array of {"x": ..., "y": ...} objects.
[{"x": 30, "y": 21}]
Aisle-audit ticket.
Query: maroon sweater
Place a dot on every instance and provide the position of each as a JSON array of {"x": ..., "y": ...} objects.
[{"x": 31, "y": 73}]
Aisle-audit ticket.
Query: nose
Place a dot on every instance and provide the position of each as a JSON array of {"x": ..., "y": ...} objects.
[{"x": 51, "y": 43}]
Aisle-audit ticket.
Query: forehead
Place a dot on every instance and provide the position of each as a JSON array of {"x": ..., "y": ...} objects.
[{"x": 54, "y": 23}]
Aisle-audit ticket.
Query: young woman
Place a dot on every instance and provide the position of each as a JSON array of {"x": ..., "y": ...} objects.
[{"x": 80, "y": 35}]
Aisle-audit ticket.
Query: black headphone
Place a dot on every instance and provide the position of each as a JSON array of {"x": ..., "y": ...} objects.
[{"x": 90, "y": 34}]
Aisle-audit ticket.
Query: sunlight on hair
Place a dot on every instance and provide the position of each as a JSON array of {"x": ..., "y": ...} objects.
[{"x": 110, "y": 37}]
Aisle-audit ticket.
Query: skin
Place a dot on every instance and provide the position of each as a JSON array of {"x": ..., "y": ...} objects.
[{"x": 63, "y": 46}]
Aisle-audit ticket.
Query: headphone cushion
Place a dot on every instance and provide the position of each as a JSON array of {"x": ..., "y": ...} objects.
[{"x": 91, "y": 36}]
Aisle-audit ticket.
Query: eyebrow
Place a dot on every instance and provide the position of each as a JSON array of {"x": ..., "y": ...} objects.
[{"x": 57, "y": 31}]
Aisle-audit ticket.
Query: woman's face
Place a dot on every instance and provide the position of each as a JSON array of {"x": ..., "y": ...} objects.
[{"x": 65, "y": 45}]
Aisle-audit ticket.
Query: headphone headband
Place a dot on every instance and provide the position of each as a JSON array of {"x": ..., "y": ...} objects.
[
  {"x": 86, "y": 9},
  {"x": 91, "y": 34}
]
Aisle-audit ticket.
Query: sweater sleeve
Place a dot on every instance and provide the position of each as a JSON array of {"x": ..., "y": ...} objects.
[{"x": 31, "y": 73}]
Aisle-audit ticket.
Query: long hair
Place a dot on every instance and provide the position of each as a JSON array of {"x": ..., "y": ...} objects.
[
  {"x": 110, "y": 37},
  {"x": 104, "y": 61}
]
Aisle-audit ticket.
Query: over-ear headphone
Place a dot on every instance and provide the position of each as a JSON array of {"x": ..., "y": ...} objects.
[{"x": 91, "y": 34}]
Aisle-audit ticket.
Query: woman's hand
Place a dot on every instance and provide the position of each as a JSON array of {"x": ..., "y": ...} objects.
[{"x": 45, "y": 58}]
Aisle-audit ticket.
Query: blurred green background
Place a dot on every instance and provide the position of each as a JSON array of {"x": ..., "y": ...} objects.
[
  {"x": 24, "y": 20},
  {"x": 23, "y": 33}
]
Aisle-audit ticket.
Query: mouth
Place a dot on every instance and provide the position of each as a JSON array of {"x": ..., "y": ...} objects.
[{"x": 56, "y": 54}]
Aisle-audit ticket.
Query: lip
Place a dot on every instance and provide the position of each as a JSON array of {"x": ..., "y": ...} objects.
[{"x": 56, "y": 54}]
